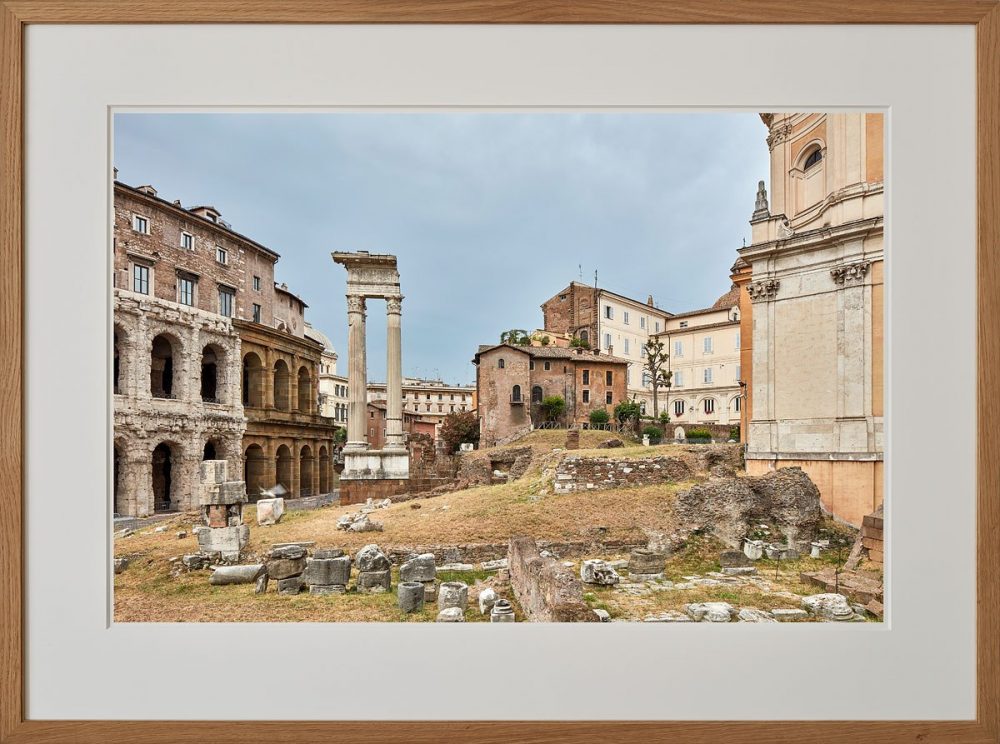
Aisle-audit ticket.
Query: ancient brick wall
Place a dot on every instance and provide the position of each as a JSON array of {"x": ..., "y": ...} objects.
[
  {"x": 546, "y": 590},
  {"x": 576, "y": 473},
  {"x": 500, "y": 418}
]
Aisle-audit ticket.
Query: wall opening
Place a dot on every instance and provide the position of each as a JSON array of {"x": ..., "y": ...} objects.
[
  {"x": 254, "y": 471},
  {"x": 282, "y": 385},
  {"x": 161, "y": 372},
  {"x": 253, "y": 381},
  {"x": 163, "y": 479}
]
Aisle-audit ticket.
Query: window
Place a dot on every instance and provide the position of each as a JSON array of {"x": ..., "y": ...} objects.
[
  {"x": 586, "y": 396},
  {"x": 607, "y": 341},
  {"x": 678, "y": 407},
  {"x": 737, "y": 347},
  {"x": 736, "y": 404},
  {"x": 642, "y": 407},
  {"x": 814, "y": 157},
  {"x": 737, "y": 372},
  {"x": 642, "y": 352},
  {"x": 626, "y": 346},
  {"x": 187, "y": 241},
  {"x": 221, "y": 255},
  {"x": 256, "y": 284},
  {"x": 707, "y": 344},
  {"x": 678, "y": 379},
  {"x": 608, "y": 398},
  {"x": 515, "y": 394},
  {"x": 536, "y": 394},
  {"x": 708, "y": 375},
  {"x": 657, "y": 326},
  {"x": 586, "y": 377},
  {"x": 256, "y": 313},
  {"x": 609, "y": 377},
  {"x": 140, "y": 224},
  {"x": 226, "y": 297},
  {"x": 678, "y": 348},
  {"x": 642, "y": 322},
  {"x": 500, "y": 365},
  {"x": 185, "y": 290},
  {"x": 645, "y": 379},
  {"x": 625, "y": 317},
  {"x": 140, "y": 279},
  {"x": 548, "y": 366},
  {"x": 609, "y": 312},
  {"x": 709, "y": 404},
  {"x": 684, "y": 324},
  {"x": 531, "y": 364}
]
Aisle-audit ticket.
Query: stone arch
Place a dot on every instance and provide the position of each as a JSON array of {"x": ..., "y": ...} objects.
[
  {"x": 215, "y": 448},
  {"x": 165, "y": 362},
  {"x": 307, "y": 465},
  {"x": 255, "y": 471},
  {"x": 282, "y": 385},
  {"x": 283, "y": 467},
  {"x": 707, "y": 405},
  {"x": 121, "y": 363},
  {"x": 735, "y": 403},
  {"x": 305, "y": 404},
  {"x": 585, "y": 336},
  {"x": 324, "y": 469},
  {"x": 213, "y": 373},
  {"x": 120, "y": 497},
  {"x": 166, "y": 476},
  {"x": 253, "y": 380}
]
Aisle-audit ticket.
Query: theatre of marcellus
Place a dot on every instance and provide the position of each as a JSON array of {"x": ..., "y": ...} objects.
[{"x": 212, "y": 360}]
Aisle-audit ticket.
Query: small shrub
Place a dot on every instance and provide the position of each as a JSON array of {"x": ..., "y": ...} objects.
[
  {"x": 697, "y": 433},
  {"x": 734, "y": 433},
  {"x": 599, "y": 416},
  {"x": 655, "y": 434}
]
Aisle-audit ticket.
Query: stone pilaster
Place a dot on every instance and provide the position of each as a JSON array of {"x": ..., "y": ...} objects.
[
  {"x": 357, "y": 381},
  {"x": 394, "y": 375}
]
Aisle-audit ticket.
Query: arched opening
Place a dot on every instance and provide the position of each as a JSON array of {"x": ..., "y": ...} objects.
[
  {"x": 283, "y": 467},
  {"x": 536, "y": 394},
  {"x": 117, "y": 370},
  {"x": 585, "y": 336},
  {"x": 211, "y": 360},
  {"x": 213, "y": 450},
  {"x": 161, "y": 371},
  {"x": 253, "y": 381},
  {"x": 324, "y": 470},
  {"x": 306, "y": 465},
  {"x": 254, "y": 470},
  {"x": 282, "y": 385},
  {"x": 116, "y": 482},
  {"x": 500, "y": 363},
  {"x": 814, "y": 157},
  {"x": 708, "y": 405},
  {"x": 164, "y": 498},
  {"x": 305, "y": 390},
  {"x": 515, "y": 394}
]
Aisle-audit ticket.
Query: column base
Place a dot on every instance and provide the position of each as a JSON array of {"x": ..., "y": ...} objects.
[{"x": 375, "y": 465}]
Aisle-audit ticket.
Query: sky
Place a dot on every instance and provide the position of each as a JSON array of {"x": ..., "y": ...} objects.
[{"x": 489, "y": 214}]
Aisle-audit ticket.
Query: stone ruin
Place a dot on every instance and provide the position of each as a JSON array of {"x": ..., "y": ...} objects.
[{"x": 221, "y": 501}]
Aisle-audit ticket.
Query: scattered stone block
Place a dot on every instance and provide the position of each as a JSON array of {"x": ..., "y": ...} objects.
[
  {"x": 291, "y": 585},
  {"x": 461, "y": 567},
  {"x": 733, "y": 559},
  {"x": 421, "y": 568},
  {"x": 120, "y": 564},
  {"x": 260, "y": 586},
  {"x": 326, "y": 553},
  {"x": 739, "y": 570},
  {"x": 364, "y": 524},
  {"x": 753, "y": 549},
  {"x": 646, "y": 563},
  {"x": 494, "y": 565},
  {"x": 229, "y": 541},
  {"x": 181, "y": 535},
  {"x": 374, "y": 582},
  {"x": 285, "y": 563},
  {"x": 453, "y": 594},
  {"x": 410, "y": 596},
  {"x": 753, "y": 615},
  {"x": 784, "y": 615},
  {"x": 487, "y": 598},
  {"x": 325, "y": 571},
  {"x": 327, "y": 589},
  {"x": 603, "y": 615},
  {"x": 598, "y": 572},
  {"x": 451, "y": 615},
  {"x": 710, "y": 612},
  {"x": 243, "y": 574},
  {"x": 430, "y": 591},
  {"x": 829, "y": 606},
  {"x": 161, "y": 528},
  {"x": 371, "y": 558},
  {"x": 502, "y": 612},
  {"x": 270, "y": 511}
]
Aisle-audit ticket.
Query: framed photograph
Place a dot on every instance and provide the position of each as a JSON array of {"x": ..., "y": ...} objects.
[{"x": 409, "y": 372}]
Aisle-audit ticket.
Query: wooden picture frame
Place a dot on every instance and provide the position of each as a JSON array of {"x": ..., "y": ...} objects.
[{"x": 17, "y": 14}]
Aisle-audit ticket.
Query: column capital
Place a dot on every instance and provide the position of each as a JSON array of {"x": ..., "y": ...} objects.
[
  {"x": 355, "y": 304},
  {"x": 394, "y": 305}
]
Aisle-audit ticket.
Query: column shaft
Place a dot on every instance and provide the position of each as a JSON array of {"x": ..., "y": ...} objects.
[
  {"x": 394, "y": 376},
  {"x": 357, "y": 382}
]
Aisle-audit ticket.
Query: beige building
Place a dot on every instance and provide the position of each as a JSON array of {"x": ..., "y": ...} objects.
[
  {"x": 704, "y": 349},
  {"x": 615, "y": 324},
  {"x": 332, "y": 386},
  {"x": 816, "y": 286},
  {"x": 431, "y": 399}
]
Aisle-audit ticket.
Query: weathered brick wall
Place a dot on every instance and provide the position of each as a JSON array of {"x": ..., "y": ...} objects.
[
  {"x": 873, "y": 538},
  {"x": 546, "y": 590},
  {"x": 577, "y": 473},
  {"x": 499, "y": 419}
]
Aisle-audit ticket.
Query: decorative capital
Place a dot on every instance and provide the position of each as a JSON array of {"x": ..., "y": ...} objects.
[
  {"x": 394, "y": 305},
  {"x": 778, "y": 135},
  {"x": 853, "y": 272},
  {"x": 766, "y": 289},
  {"x": 355, "y": 304}
]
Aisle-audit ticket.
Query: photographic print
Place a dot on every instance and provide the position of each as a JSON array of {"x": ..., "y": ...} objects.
[{"x": 476, "y": 366}]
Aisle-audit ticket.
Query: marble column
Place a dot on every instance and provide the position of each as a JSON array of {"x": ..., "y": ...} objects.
[
  {"x": 394, "y": 376},
  {"x": 357, "y": 382}
]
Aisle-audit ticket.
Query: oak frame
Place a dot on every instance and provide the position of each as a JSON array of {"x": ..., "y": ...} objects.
[{"x": 16, "y": 14}]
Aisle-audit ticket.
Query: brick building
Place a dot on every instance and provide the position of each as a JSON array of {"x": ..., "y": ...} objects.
[
  {"x": 197, "y": 316},
  {"x": 512, "y": 381},
  {"x": 412, "y": 424}
]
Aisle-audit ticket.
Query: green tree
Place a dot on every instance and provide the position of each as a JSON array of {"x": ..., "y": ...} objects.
[
  {"x": 654, "y": 372},
  {"x": 578, "y": 343},
  {"x": 553, "y": 407},
  {"x": 599, "y": 416},
  {"x": 627, "y": 411},
  {"x": 459, "y": 427},
  {"x": 515, "y": 337}
]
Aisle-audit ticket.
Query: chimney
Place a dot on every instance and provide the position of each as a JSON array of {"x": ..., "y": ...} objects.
[
  {"x": 649, "y": 300},
  {"x": 209, "y": 213},
  {"x": 116, "y": 174}
]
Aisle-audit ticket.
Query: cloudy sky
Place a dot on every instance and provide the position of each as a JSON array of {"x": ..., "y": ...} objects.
[{"x": 490, "y": 214}]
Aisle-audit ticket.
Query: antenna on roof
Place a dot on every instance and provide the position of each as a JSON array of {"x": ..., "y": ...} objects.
[
  {"x": 580, "y": 267},
  {"x": 595, "y": 277}
]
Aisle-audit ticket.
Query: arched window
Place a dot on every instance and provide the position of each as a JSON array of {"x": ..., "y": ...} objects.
[
  {"x": 709, "y": 405},
  {"x": 210, "y": 374},
  {"x": 642, "y": 407},
  {"x": 585, "y": 336},
  {"x": 161, "y": 373},
  {"x": 736, "y": 404},
  {"x": 536, "y": 394},
  {"x": 500, "y": 363},
  {"x": 515, "y": 394},
  {"x": 814, "y": 157},
  {"x": 678, "y": 407}
]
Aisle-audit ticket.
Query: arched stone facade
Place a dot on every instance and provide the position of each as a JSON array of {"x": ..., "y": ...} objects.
[{"x": 179, "y": 421}]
